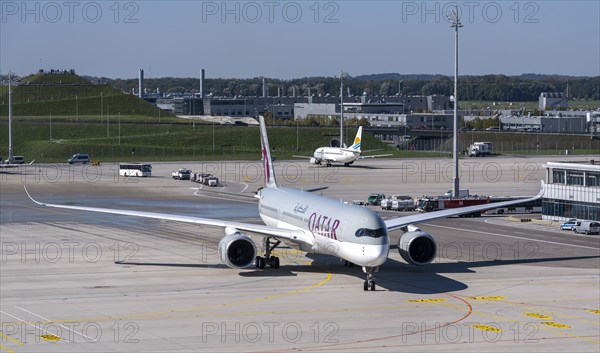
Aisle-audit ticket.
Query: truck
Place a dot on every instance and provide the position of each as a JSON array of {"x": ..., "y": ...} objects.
[
  {"x": 461, "y": 193},
  {"x": 480, "y": 149},
  {"x": 431, "y": 204},
  {"x": 204, "y": 179},
  {"x": 398, "y": 203},
  {"x": 182, "y": 174},
  {"x": 375, "y": 199}
]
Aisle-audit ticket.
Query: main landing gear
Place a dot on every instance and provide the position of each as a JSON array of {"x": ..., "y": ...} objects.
[
  {"x": 370, "y": 281},
  {"x": 268, "y": 259}
]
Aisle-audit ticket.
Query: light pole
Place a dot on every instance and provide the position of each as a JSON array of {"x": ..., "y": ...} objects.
[
  {"x": 76, "y": 108},
  {"x": 342, "y": 110},
  {"x": 119, "y": 128},
  {"x": 107, "y": 121},
  {"x": 456, "y": 25}
]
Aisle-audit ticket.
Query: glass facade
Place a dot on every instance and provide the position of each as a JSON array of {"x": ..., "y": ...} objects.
[{"x": 571, "y": 209}]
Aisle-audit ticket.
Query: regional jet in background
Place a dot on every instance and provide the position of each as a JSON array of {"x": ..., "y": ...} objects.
[
  {"x": 345, "y": 155},
  {"x": 314, "y": 224}
]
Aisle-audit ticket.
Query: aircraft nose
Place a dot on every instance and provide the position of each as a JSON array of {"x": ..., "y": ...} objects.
[{"x": 376, "y": 254}]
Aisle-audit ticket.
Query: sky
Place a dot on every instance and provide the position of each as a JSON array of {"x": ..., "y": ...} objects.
[{"x": 295, "y": 39}]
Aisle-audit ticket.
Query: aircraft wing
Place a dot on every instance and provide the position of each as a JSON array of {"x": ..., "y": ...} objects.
[
  {"x": 375, "y": 156},
  {"x": 296, "y": 236},
  {"x": 302, "y": 157},
  {"x": 400, "y": 222}
]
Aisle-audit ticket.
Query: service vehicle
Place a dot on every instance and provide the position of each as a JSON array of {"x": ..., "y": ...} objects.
[
  {"x": 182, "y": 174},
  {"x": 569, "y": 225},
  {"x": 587, "y": 227},
  {"x": 480, "y": 149},
  {"x": 375, "y": 199},
  {"x": 79, "y": 158},
  {"x": 135, "y": 169}
]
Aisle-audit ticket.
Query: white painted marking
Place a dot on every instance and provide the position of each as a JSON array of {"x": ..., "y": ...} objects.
[
  {"x": 30, "y": 324},
  {"x": 65, "y": 327},
  {"x": 515, "y": 237},
  {"x": 220, "y": 198}
]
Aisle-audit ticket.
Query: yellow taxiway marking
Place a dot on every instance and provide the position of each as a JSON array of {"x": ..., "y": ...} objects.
[
  {"x": 539, "y": 316},
  {"x": 487, "y": 328},
  {"x": 11, "y": 339},
  {"x": 432, "y": 300},
  {"x": 499, "y": 297},
  {"x": 50, "y": 338},
  {"x": 555, "y": 324},
  {"x": 545, "y": 327},
  {"x": 594, "y": 311},
  {"x": 6, "y": 349}
]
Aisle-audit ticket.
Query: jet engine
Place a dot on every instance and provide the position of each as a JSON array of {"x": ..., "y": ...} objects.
[
  {"x": 314, "y": 160},
  {"x": 237, "y": 250},
  {"x": 417, "y": 247}
]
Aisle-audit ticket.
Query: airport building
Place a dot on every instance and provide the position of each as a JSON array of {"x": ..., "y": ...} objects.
[
  {"x": 565, "y": 121},
  {"x": 552, "y": 100},
  {"x": 572, "y": 191}
]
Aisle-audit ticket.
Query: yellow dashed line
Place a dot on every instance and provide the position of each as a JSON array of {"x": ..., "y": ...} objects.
[
  {"x": 555, "y": 324},
  {"x": 594, "y": 311},
  {"x": 487, "y": 328},
  {"x": 6, "y": 349},
  {"x": 487, "y": 298},
  {"x": 11, "y": 339},
  {"x": 432, "y": 300},
  {"x": 539, "y": 316}
]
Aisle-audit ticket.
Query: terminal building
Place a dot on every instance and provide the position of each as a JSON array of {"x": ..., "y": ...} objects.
[{"x": 572, "y": 191}]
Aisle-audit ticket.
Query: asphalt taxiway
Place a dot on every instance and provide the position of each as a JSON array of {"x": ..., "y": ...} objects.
[{"x": 79, "y": 281}]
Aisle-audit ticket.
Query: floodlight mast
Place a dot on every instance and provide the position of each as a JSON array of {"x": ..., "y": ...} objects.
[{"x": 456, "y": 25}]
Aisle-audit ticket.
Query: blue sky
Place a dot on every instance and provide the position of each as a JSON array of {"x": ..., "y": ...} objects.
[{"x": 292, "y": 39}]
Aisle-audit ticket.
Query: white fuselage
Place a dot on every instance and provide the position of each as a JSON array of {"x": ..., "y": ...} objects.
[
  {"x": 336, "y": 154},
  {"x": 350, "y": 232}
]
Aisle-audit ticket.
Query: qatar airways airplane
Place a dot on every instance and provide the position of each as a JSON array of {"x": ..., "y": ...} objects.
[
  {"x": 314, "y": 224},
  {"x": 345, "y": 155}
]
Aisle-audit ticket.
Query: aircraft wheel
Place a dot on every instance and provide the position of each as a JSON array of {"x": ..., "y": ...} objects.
[
  {"x": 366, "y": 285},
  {"x": 260, "y": 262},
  {"x": 274, "y": 263},
  {"x": 372, "y": 285}
]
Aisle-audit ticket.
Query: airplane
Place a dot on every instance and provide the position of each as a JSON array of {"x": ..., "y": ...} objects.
[
  {"x": 346, "y": 155},
  {"x": 313, "y": 224}
]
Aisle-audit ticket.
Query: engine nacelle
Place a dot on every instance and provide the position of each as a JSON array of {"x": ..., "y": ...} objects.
[
  {"x": 417, "y": 247},
  {"x": 314, "y": 160},
  {"x": 237, "y": 250}
]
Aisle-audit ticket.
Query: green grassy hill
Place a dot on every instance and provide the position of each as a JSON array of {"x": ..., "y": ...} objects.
[{"x": 68, "y": 96}]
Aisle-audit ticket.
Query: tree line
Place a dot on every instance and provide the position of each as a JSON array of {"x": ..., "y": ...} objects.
[{"x": 522, "y": 88}]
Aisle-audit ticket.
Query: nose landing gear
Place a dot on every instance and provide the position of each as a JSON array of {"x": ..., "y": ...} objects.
[{"x": 369, "y": 283}]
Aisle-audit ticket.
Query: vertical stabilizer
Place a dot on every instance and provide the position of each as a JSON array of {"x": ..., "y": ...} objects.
[
  {"x": 357, "y": 140},
  {"x": 270, "y": 181}
]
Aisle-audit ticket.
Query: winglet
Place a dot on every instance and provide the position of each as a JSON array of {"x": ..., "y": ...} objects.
[{"x": 270, "y": 181}]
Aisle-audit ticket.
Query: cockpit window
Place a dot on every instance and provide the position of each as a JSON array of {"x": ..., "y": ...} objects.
[{"x": 372, "y": 233}]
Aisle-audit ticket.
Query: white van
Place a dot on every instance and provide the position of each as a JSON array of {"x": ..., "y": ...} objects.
[
  {"x": 15, "y": 160},
  {"x": 79, "y": 158},
  {"x": 587, "y": 227}
]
